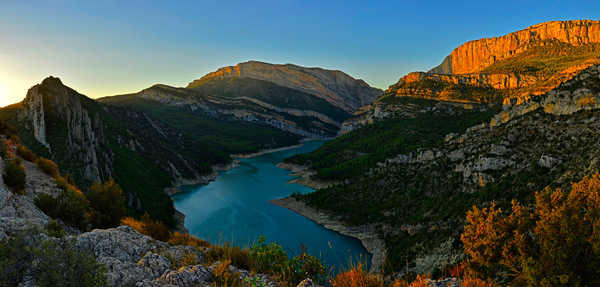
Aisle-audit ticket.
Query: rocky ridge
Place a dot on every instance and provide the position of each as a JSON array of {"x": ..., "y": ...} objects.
[
  {"x": 475, "y": 56},
  {"x": 335, "y": 87}
]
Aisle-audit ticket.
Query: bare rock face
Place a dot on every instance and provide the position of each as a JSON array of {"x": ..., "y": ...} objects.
[
  {"x": 578, "y": 94},
  {"x": 335, "y": 87},
  {"x": 52, "y": 102},
  {"x": 474, "y": 56}
]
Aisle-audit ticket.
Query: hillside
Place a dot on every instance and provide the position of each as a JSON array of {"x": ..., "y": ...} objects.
[
  {"x": 335, "y": 87},
  {"x": 144, "y": 153},
  {"x": 241, "y": 99},
  {"x": 416, "y": 197},
  {"x": 518, "y": 65}
]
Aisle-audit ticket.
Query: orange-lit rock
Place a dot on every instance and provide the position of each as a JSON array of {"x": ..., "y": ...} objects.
[{"x": 474, "y": 56}]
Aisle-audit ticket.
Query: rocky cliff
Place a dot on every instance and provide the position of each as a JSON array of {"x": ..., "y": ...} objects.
[
  {"x": 335, "y": 87},
  {"x": 475, "y": 56},
  {"x": 60, "y": 118},
  {"x": 417, "y": 199}
]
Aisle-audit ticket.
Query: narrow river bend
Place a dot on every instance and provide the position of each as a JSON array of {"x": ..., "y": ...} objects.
[{"x": 235, "y": 208}]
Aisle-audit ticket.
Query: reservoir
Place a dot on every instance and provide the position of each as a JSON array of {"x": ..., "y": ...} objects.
[{"x": 235, "y": 208}]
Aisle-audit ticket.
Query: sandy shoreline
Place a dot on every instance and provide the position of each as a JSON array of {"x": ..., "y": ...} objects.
[{"x": 366, "y": 234}]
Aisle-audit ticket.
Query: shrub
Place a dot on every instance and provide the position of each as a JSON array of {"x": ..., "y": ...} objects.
[
  {"x": 148, "y": 226},
  {"x": 108, "y": 204},
  {"x": 178, "y": 238},
  {"x": 71, "y": 206},
  {"x": 54, "y": 229},
  {"x": 25, "y": 153},
  {"x": 14, "y": 175},
  {"x": 3, "y": 148},
  {"x": 77, "y": 268},
  {"x": 47, "y": 262},
  {"x": 268, "y": 258},
  {"x": 357, "y": 277},
  {"x": 556, "y": 244},
  {"x": 15, "y": 258},
  {"x": 239, "y": 257},
  {"x": 48, "y": 166},
  {"x": 306, "y": 265}
]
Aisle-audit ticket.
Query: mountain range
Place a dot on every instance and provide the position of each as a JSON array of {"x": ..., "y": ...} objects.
[{"x": 498, "y": 120}]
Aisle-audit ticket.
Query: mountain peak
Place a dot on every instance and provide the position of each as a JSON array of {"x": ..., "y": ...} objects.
[
  {"x": 334, "y": 86},
  {"x": 474, "y": 56},
  {"x": 52, "y": 81}
]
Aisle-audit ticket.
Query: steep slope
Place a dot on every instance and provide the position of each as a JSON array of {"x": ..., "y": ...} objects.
[
  {"x": 335, "y": 87},
  {"x": 144, "y": 154},
  {"x": 129, "y": 258},
  {"x": 519, "y": 65},
  {"x": 476, "y": 56},
  {"x": 416, "y": 199},
  {"x": 245, "y": 99}
]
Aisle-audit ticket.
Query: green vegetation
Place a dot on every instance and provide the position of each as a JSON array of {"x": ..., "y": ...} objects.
[
  {"x": 14, "y": 175},
  {"x": 546, "y": 59},
  {"x": 71, "y": 206},
  {"x": 108, "y": 203},
  {"x": 354, "y": 153},
  {"x": 270, "y": 93},
  {"x": 553, "y": 244},
  {"x": 47, "y": 262},
  {"x": 456, "y": 92},
  {"x": 49, "y": 167}
]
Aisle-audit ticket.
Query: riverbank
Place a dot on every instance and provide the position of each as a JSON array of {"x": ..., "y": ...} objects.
[
  {"x": 366, "y": 234},
  {"x": 303, "y": 175}
]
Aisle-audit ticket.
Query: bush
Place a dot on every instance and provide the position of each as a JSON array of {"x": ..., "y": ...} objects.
[
  {"x": 48, "y": 263},
  {"x": 358, "y": 277},
  {"x": 48, "y": 166},
  {"x": 556, "y": 244},
  {"x": 71, "y": 206},
  {"x": 108, "y": 204},
  {"x": 306, "y": 265},
  {"x": 54, "y": 229},
  {"x": 148, "y": 226},
  {"x": 178, "y": 238},
  {"x": 25, "y": 153},
  {"x": 268, "y": 258},
  {"x": 14, "y": 175},
  {"x": 3, "y": 148},
  {"x": 237, "y": 256}
]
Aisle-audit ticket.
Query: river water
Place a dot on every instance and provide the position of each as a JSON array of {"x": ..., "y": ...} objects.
[{"x": 235, "y": 208}]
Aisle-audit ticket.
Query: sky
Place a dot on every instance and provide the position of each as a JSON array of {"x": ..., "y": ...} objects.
[{"x": 105, "y": 47}]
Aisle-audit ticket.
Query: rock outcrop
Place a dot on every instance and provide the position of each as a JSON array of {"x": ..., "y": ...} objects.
[
  {"x": 475, "y": 56},
  {"x": 336, "y": 87},
  {"x": 578, "y": 94},
  {"x": 58, "y": 115}
]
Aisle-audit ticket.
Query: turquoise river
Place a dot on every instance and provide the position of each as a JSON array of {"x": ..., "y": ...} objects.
[{"x": 235, "y": 208}]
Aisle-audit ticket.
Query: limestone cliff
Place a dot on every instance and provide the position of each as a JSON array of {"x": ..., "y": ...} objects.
[
  {"x": 335, "y": 87},
  {"x": 509, "y": 69},
  {"x": 475, "y": 56},
  {"x": 58, "y": 115}
]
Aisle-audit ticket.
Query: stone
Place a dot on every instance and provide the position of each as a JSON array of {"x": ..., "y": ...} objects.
[
  {"x": 548, "y": 161},
  {"x": 189, "y": 276}
]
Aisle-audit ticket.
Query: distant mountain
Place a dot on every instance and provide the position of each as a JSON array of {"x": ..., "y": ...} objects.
[
  {"x": 145, "y": 152},
  {"x": 335, "y": 87},
  {"x": 519, "y": 65},
  {"x": 309, "y": 102}
]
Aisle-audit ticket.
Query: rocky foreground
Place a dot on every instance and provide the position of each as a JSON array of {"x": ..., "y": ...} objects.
[{"x": 131, "y": 258}]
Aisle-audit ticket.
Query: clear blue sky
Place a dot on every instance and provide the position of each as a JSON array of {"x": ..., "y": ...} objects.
[{"x": 103, "y": 48}]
